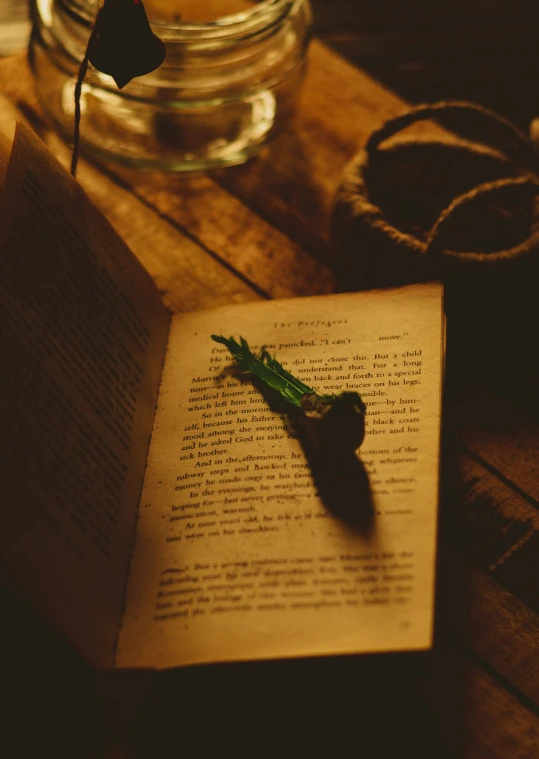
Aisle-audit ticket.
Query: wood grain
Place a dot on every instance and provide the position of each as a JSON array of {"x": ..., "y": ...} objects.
[
  {"x": 226, "y": 227},
  {"x": 188, "y": 278},
  {"x": 292, "y": 184},
  {"x": 478, "y": 717},
  {"x": 503, "y": 432},
  {"x": 487, "y": 621}
]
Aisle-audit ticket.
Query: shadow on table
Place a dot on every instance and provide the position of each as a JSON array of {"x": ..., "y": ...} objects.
[
  {"x": 339, "y": 476},
  {"x": 378, "y": 706},
  {"x": 372, "y": 706}
]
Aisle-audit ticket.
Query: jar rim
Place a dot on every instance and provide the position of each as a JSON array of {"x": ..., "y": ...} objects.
[
  {"x": 259, "y": 12},
  {"x": 252, "y": 20}
]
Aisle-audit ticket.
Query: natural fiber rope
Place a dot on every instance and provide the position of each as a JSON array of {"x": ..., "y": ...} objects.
[
  {"x": 527, "y": 188},
  {"x": 399, "y": 249},
  {"x": 514, "y": 142}
]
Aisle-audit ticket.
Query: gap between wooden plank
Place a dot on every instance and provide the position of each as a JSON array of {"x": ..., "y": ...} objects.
[
  {"x": 123, "y": 185},
  {"x": 227, "y": 224},
  {"x": 500, "y": 632},
  {"x": 492, "y": 523},
  {"x": 222, "y": 224},
  {"x": 496, "y": 473},
  {"x": 478, "y": 718},
  {"x": 188, "y": 276}
]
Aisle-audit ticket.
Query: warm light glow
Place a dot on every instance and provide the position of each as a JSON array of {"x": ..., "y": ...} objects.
[
  {"x": 45, "y": 11},
  {"x": 193, "y": 11}
]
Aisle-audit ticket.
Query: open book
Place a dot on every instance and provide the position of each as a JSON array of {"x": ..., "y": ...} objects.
[{"x": 153, "y": 505}]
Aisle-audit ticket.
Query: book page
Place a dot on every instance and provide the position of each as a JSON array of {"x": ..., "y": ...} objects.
[
  {"x": 82, "y": 336},
  {"x": 237, "y": 556}
]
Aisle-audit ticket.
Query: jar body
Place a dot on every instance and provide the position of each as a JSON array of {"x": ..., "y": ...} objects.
[{"x": 224, "y": 88}]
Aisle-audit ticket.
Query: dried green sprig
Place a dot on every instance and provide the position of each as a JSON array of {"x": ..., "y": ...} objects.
[
  {"x": 266, "y": 368},
  {"x": 332, "y": 422}
]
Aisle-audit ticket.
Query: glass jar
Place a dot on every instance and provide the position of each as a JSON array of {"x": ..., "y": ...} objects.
[{"x": 224, "y": 88}]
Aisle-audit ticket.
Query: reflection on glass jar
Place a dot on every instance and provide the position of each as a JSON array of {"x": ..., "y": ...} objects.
[{"x": 226, "y": 86}]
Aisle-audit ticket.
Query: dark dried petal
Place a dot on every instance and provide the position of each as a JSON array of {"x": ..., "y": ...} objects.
[
  {"x": 334, "y": 423},
  {"x": 122, "y": 43}
]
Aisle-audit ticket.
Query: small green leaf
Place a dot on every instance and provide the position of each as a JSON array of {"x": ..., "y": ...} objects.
[{"x": 266, "y": 368}]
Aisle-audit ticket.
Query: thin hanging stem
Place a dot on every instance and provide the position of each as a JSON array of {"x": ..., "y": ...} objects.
[
  {"x": 121, "y": 50},
  {"x": 78, "y": 92}
]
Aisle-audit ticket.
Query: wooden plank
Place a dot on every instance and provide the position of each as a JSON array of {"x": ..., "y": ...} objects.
[
  {"x": 225, "y": 225},
  {"x": 503, "y": 431},
  {"x": 188, "y": 278},
  {"x": 479, "y": 615},
  {"x": 488, "y": 591},
  {"x": 293, "y": 182},
  {"x": 197, "y": 207},
  {"x": 494, "y": 525},
  {"x": 290, "y": 186},
  {"x": 477, "y": 716}
]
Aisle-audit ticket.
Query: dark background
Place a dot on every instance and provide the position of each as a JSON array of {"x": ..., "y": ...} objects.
[{"x": 425, "y": 50}]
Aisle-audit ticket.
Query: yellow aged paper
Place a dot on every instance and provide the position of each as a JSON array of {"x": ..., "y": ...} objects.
[{"x": 236, "y": 556}]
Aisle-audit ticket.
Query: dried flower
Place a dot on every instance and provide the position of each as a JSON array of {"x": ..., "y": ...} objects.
[
  {"x": 121, "y": 45},
  {"x": 333, "y": 423}
]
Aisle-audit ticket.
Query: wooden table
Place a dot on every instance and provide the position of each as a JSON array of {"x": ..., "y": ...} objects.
[{"x": 261, "y": 231}]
